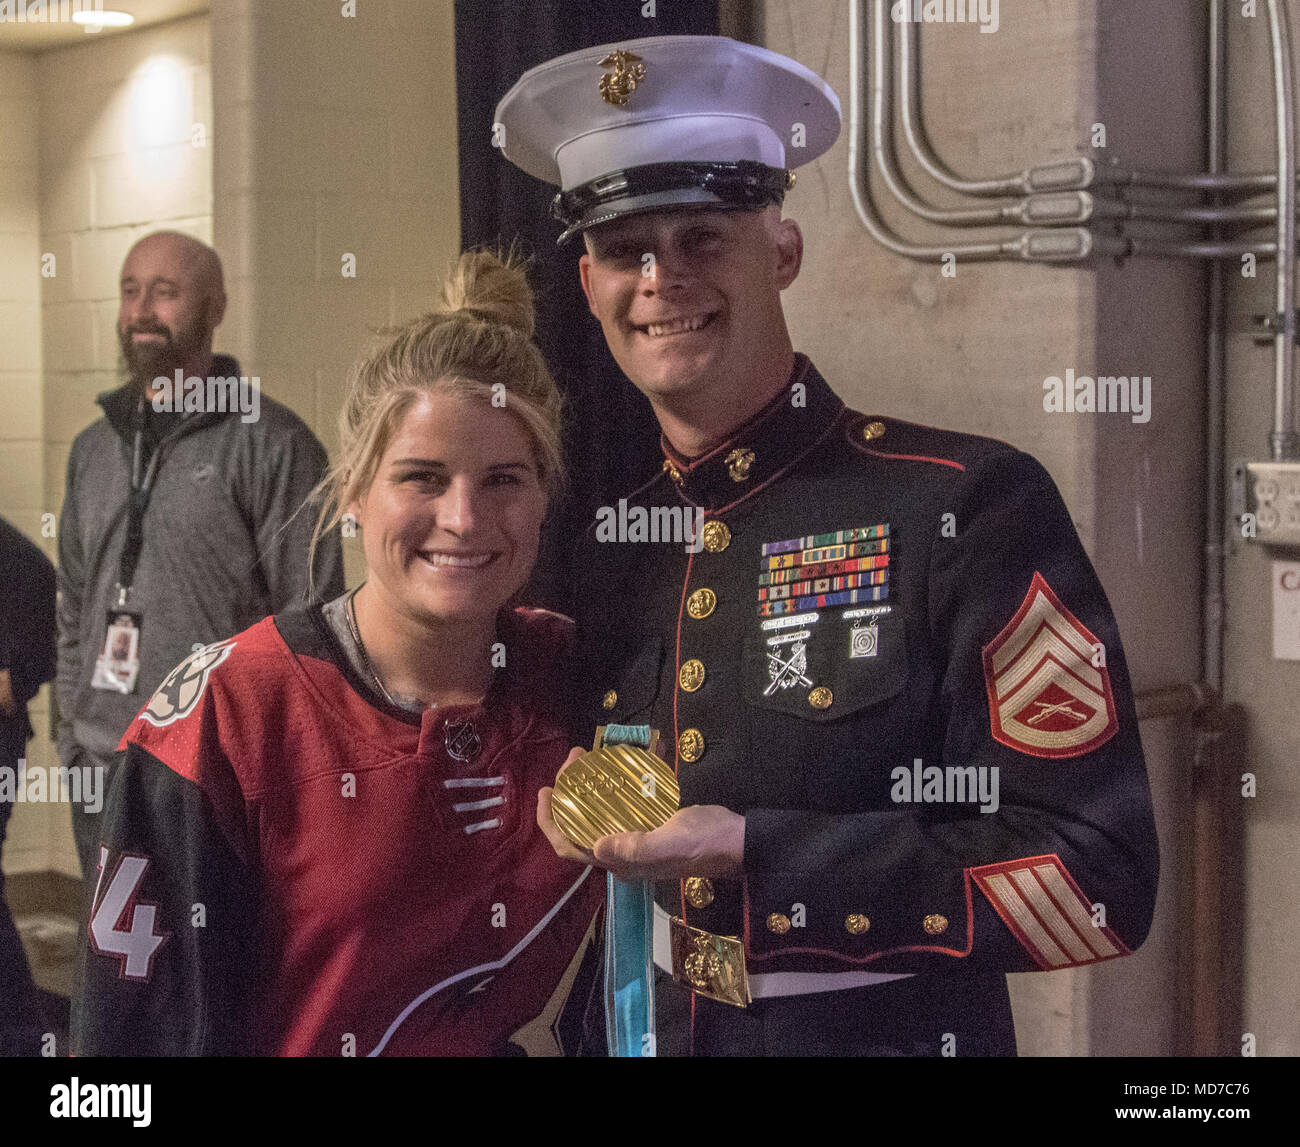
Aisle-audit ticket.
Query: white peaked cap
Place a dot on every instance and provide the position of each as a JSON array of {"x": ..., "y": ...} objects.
[{"x": 688, "y": 100}]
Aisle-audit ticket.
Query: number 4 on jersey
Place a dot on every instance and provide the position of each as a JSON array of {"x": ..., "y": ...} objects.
[{"x": 120, "y": 925}]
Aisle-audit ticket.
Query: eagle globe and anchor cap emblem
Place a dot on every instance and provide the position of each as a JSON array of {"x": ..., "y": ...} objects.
[
  {"x": 181, "y": 689},
  {"x": 618, "y": 85}
]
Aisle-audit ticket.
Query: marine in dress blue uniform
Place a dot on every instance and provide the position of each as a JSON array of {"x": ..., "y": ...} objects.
[{"x": 887, "y": 650}]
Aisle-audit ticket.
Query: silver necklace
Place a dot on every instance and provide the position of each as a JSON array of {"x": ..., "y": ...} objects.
[
  {"x": 460, "y": 738},
  {"x": 361, "y": 646}
]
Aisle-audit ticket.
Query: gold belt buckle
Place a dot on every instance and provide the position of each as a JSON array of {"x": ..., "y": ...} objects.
[{"x": 712, "y": 965}]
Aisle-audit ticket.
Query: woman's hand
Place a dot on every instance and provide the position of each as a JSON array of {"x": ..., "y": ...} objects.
[{"x": 700, "y": 840}]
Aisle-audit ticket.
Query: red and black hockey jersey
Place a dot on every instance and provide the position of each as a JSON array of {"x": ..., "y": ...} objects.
[{"x": 289, "y": 866}]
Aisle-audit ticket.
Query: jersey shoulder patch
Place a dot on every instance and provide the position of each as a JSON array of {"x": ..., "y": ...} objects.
[
  {"x": 179, "y": 694},
  {"x": 1047, "y": 695}
]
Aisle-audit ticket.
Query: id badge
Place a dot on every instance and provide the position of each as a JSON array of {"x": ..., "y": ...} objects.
[{"x": 118, "y": 664}]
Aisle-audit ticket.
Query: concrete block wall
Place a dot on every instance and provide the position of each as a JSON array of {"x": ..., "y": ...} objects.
[
  {"x": 110, "y": 152},
  {"x": 327, "y": 136},
  {"x": 22, "y": 489}
]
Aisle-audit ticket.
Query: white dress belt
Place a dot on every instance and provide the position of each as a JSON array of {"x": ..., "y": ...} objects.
[{"x": 764, "y": 985}]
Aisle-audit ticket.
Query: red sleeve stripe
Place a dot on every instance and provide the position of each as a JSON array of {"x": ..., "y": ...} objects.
[{"x": 913, "y": 458}]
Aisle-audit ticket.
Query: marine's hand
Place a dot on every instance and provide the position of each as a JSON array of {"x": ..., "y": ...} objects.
[{"x": 699, "y": 840}]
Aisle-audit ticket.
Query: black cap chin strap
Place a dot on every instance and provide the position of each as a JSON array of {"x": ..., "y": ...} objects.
[{"x": 742, "y": 183}]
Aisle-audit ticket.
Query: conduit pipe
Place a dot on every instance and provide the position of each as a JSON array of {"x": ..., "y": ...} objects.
[
  {"x": 1077, "y": 174},
  {"x": 1283, "y": 439},
  {"x": 1070, "y": 244}
]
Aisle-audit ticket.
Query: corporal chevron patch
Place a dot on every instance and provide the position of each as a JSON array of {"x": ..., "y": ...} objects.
[
  {"x": 1047, "y": 912},
  {"x": 1046, "y": 698}
]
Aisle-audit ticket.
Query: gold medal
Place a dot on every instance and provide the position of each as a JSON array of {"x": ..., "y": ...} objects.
[{"x": 613, "y": 788}]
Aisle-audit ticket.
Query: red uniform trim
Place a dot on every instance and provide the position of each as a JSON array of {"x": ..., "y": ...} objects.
[{"x": 851, "y": 433}]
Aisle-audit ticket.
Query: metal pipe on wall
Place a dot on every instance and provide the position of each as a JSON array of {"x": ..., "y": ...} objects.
[
  {"x": 1201, "y": 1020},
  {"x": 882, "y": 130},
  {"x": 860, "y": 173},
  {"x": 1059, "y": 245},
  {"x": 1283, "y": 439},
  {"x": 918, "y": 142},
  {"x": 1065, "y": 244},
  {"x": 1029, "y": 181}
]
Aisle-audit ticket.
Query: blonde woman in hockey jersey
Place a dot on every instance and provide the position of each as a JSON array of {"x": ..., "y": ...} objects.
[{"x": 320, "y": 839}]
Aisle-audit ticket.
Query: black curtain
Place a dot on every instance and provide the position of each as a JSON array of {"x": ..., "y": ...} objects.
[{"x": 611, "y": 435}]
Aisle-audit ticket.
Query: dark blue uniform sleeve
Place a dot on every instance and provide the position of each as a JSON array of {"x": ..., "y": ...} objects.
[
  {"x": 1048, "y": 858},
  {"x": 170, "y": 958}
]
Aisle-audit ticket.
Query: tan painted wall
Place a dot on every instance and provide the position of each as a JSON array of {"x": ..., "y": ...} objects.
[
  {"x": 336, "y": 136},
  {"x": 971, "y": 352}
]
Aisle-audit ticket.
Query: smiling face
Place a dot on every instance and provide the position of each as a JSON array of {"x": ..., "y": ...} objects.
[
  {"x": 690, "y": 299},
  {"x": 452, "y": 517},
  {"x": 171, "y": 300}
]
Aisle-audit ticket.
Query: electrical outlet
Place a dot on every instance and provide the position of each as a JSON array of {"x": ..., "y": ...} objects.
[{"x": 1270, "y": 492}]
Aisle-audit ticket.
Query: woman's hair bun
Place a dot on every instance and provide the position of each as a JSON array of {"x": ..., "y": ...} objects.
[{"x": 493, "y": 287}]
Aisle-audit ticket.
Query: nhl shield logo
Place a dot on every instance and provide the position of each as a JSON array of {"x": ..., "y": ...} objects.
[
  {"x": 461, "y": 740},
  {"x": 180, "y": 691},
  {"x": 1046, "y": 698}
]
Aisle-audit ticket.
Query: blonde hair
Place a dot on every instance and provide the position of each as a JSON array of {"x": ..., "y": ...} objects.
[{"x": 477, "y": 345}]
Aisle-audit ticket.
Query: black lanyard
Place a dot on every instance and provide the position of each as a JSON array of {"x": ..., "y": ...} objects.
[{"x": 137, "y": 503}]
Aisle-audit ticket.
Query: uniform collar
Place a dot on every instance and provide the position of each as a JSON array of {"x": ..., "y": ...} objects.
[{"x": 760, "y": 450}]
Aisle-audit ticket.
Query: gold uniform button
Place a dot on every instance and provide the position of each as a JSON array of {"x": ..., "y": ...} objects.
[
  {"x": 779, "y": 923},
  {"x": 699, "y": 891},
  {"x": 855, "y": 924},
  {"x": 691, "y": 676},
  {"x": 934, "y": 924},
  {"x": 690, "y": 745},
  {"x": 609, "y": 700},
  {"x": 672, "y": 471},
  {"x": 873, "y": 430},
  {"x": 717, "y": 536},
  {"x": 821, "y": 697},
  {"x": 701, "y": 603}
]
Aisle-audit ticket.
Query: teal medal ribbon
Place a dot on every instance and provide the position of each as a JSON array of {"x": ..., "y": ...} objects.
[{"x": 629, "y": 945}]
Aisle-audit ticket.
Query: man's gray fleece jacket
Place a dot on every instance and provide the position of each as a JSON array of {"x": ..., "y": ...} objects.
[{"x": 222, "y": 547}]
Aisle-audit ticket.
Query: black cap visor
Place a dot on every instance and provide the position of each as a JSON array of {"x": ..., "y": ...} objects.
[{"x": 656, "y": 186}]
